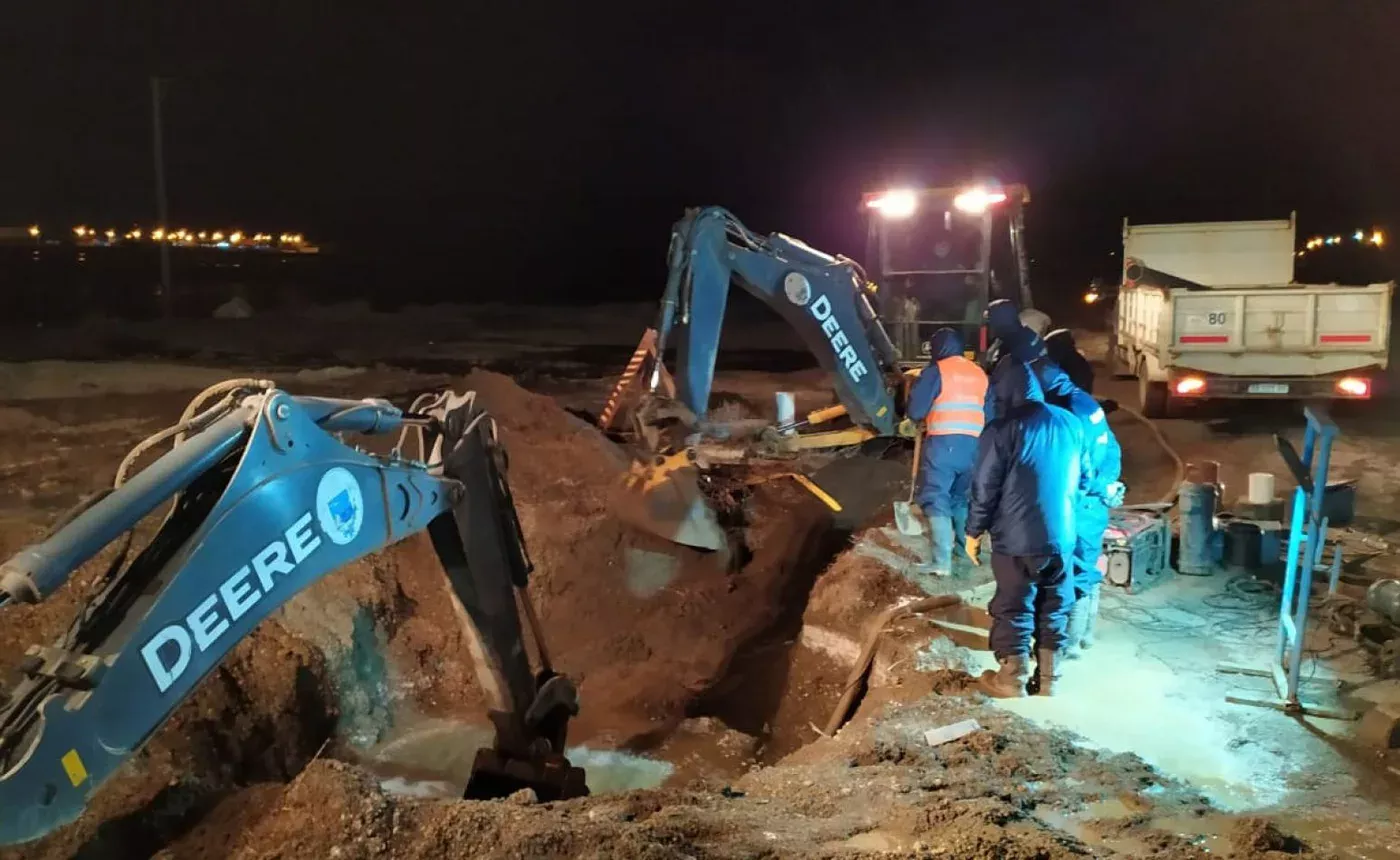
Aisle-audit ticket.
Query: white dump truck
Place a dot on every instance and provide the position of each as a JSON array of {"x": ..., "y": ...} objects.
[{"x": 1209, "y": 311}]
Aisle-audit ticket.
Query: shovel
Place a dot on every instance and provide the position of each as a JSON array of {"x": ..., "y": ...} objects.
[{"x": 905, "y": 519}]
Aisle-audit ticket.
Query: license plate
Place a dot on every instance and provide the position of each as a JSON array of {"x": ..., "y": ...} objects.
[{"x": 1268, "y": 388}]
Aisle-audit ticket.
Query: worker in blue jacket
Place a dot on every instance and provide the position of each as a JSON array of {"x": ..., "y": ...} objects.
[
  {"x": 1100, "y": 490},
  {"x": 1019, "y": 344},
  {"x": 1060, "y": 347},
  {"x": 948, "y": 399},
  {"x": 1003, "y": 329},
  {"x": 1007, "y": 327},
  {"x": 1024, "y": 487}
]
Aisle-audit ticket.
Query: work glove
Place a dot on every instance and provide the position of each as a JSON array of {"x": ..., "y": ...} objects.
[
  {"x": 908, "y": 429},
  {"x": 1116, "y": 493},
  {"x": 972, "y": 546}
]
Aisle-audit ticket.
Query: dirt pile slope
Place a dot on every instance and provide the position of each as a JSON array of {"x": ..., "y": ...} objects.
[{"x": 644, "y": 627}]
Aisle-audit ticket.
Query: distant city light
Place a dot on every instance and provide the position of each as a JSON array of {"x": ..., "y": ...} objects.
[
  {"x": 1376, "y": 237},
  {"x": 288, "y": 243}
]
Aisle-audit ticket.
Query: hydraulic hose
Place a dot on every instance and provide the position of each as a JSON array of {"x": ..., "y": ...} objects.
[{"x": 1179, "y": 463}]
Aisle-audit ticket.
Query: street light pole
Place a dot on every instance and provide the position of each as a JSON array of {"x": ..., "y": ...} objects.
[{"x": 162, "y": 211}]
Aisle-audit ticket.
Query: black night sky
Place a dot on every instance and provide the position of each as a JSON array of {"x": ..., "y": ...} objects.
[{"x": 545, "y": 148}]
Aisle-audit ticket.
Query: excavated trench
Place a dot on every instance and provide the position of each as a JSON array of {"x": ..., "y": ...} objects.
[
  {"x": 686, "y": 667},
  {"x": 741, "y": 713}
]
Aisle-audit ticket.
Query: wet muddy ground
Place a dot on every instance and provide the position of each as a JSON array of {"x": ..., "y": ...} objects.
[{"x": 347, "y": 723}]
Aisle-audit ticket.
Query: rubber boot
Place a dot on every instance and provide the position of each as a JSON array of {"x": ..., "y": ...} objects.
[
  {"x": 1047, "y": 671},
  {"x": 1075, "y": 627},
  {"x": 1091, "y": 615},
  {"x": 1009, "y": 681},
  {"x": 940, "y": 561},
  {"x": 962, "y": 565}
]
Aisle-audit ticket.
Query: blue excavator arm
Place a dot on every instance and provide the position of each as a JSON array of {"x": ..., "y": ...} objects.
[
  {"x": 820, "y": 296},
  {"x": 267, "y": 500}
]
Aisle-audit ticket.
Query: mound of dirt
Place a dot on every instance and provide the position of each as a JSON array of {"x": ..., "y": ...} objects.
[
  {"x": 644, "y": 627},
  {"x": 878, "y": 788}
]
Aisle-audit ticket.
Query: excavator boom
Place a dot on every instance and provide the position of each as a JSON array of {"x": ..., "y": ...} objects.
[
  {"x": 822, "y": 297},
  {"x": 267, "y": 501}
]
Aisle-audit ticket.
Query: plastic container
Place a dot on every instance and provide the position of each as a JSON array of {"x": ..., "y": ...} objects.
[
  {"x": 1270, "y": 547},
  {"x": 1384, "y": 597},
  {"x": 1198, "y": 548},
  {"x": 1243, "y": 545},
  {"x": 1339, "y": 503},
  {"x": 1261, "y": 488},
  {"x": 787, "y": 408}
]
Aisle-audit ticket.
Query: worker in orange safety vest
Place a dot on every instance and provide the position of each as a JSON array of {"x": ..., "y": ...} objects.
[{"x": 949, "y": 399}]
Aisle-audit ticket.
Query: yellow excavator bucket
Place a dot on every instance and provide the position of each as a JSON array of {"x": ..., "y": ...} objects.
[{"x": 662, "y": 497}]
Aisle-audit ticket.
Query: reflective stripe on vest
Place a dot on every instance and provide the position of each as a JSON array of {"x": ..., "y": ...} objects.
[{"x": 958, "y": 408}]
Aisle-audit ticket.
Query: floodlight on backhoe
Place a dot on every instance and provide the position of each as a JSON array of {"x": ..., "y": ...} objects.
[
  {"x": 897, "y": 203},
  {"x": 975, "y": 201}
]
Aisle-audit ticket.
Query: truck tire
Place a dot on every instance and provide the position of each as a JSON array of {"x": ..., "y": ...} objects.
[{"x": 1153, "y": 396}]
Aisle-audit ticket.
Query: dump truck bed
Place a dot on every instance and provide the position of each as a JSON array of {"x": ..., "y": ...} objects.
[
  {"x": 1215, "y": 253},
  {"x": 1286, "y": 341}
]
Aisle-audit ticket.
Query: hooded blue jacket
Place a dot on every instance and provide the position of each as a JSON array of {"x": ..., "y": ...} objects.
[
  {"x": 1022, "y": 345},
  {"x": 945, "y": 343},
  {"x": 1003, "y": 319},
  {"x": 1025, "y": 483},
  {"x": 945, "y": 461},
  {"x": 1060, "y": 347},
  {"x": 1103, "y": 458}
]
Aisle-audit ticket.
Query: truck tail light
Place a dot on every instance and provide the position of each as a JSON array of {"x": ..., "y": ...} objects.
[
  {"x": 1354, "y": 386},
  {"x": 1187, "y": 385}
]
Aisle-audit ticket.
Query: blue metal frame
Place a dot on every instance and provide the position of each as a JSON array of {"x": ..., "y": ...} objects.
[
  {"x": 299, "y": 505},
  {"x": 1307, "y": 535}
]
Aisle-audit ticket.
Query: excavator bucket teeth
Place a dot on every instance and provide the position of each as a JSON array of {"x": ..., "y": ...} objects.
[
  {"x": 495, "y": 775},
  {"x": 664, "y": 499}
]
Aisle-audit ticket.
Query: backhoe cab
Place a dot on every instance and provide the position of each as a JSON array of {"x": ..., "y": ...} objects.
[{"x": 939, "y": 256}]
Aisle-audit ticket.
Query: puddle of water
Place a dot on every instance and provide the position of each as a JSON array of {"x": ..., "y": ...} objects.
[
  {"x": 1118, "y": 699},
  {"x": 434, "y": 759},
  {"x": 612, "y": 771}
]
